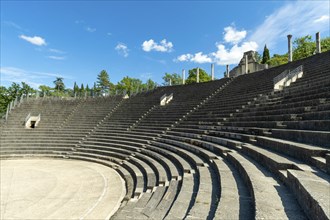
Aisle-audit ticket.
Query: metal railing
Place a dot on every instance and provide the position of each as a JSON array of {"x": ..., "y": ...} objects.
[
  {"x": 27, "y": 118},
  {"x": 287, "y": 75},
  {"x": 165, "y": 99}
]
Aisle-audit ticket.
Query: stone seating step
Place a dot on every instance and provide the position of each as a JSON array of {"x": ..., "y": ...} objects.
[
  {"x": 232, "y": 144},
  {"x": 124, "y": 135},
  {"x": 154, "y": 200},
  {"x": 166, "y": 168},
  {"x": 22, "y": 145},
  {"x": 129, "y": 183},
  {"x": 126, "y": 131},
  {"x": 189, "y": 144},
  {"x": 319, "y": 95},
  {"x": 191, "y": 130},
  {"x": 203, "y": 202},
  {"x": 182, "y": 203},
  {"x": 147, "y": 130},
  {"x": 188, "y": 151},
  {"x": 149, "y": 174},
  {"x": 318, "y": 138},
  {"x": 327, "y": 159},
  {"x": 110, "y": 142},
  {"x": 321, "y": 125},
  {"x": 138, "y": 177},
  {"x": 312, "y": 193},
  {"x": 165, "y": 123},
  {"x": 290, "y": 105},
  {"x": 181, "y": 163},
  {"x": 268, "y": 195},
  {"x": 158, "y": 128},
  {"x": 299, "y": 92},
  {"x": 158, "y": 168},
  {"x": 36, "y": 140},
  {"x": 303, "y": 152},
  {"x": 198, "y": 140},
  {"x": 274, "y": 162},
  {"x": 31, "y": 153},
  {"x": 166, "y": 202},
  {"x": 319, "y": 115},
  {"x": 110, "y": 137},
  {"x": 132, "y": 209},
  {"x": 320, "y": 162},
  {"x": 235, "y": 201}
]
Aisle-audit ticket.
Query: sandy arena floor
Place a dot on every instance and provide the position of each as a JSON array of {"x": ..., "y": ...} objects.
[{"x": 58, "y": 189}]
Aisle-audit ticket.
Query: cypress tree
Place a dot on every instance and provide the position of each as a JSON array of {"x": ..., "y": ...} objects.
[{"x": 265, "y": 55}]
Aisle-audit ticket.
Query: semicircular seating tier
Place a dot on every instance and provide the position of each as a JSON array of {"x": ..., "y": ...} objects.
[{"x": 233, "y": 148}]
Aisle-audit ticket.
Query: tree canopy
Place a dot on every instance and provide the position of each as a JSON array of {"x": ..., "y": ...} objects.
[
  {"x": 9, "y": 94},
  {"x": 172, "y": 79},
  {"x": 203, "y": 76},
  {"x": 265, "y": 55},
  {"x": 59, "y": 84},
  {"x": 302, "y": 47},
  {"x": 103, "y": 82}
]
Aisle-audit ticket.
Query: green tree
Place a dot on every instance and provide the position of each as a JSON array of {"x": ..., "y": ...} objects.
[
  {"x": 277, "y": 60},
  {"x": 26, "y": 89},
  {"x": 103, "y": 82},
  {"x": 59, "y": 84},
  {"x": 303, "y": 47},
  {"x": 113, "y": 88},
  {"x": 4, "y": 100},
  {"x": 95, "y": 90},
  {"x": 258, "y": 57},
  {"x": 192, "y": 77},
  {"x": 265, "y": 55},
  {"x": 75, "y": 88},
  {"x": 45, "y": 90},
  {"x": 82, "y": 89},
  {"x": 150, "y": 84},
  {"x": 173, "y": 79},
  {"x": 325, "y": 44},
  {"x": 130, "y": 85}
]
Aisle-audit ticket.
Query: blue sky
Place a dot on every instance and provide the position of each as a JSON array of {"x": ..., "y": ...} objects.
[{"x": 75, "y": 40}]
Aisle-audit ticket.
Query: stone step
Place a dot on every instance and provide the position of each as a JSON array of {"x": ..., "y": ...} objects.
[
  {"x": 312, "y": 193},
  {"x": 269, "y": 196}
]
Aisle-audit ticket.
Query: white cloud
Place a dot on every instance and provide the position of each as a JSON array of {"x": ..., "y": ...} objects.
[
  {"x": 163, "y": 46},
  {"x": 233, "y": 36},
  {"x": 90, "y": 29},
  {"x": 184, "y": 57},
  {"x": 33, "y": 78},
  {"x": 13, "y": 25},
  {"x": 201, "y": 58},
  {"x": 57, "y": 57},
  {"x": 296, "y": 18},
  {"x": 79, "y": 21},
  {"x": 233, "y": 55},
  {"x": 36, "y": 40},
  {"x": 196, "y": 58},
  {"x": 323, "y": 18},
  {"x": 223, "y": 55},
  {"x": 122, "y": 49},
  {"x": 57, "y": 51}
]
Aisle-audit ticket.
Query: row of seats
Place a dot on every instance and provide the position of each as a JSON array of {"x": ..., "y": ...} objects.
[{"x": 228, "y": 149}]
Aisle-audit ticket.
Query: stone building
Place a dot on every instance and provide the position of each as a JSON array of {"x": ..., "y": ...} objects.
[{"x": 249, "y": 57}]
